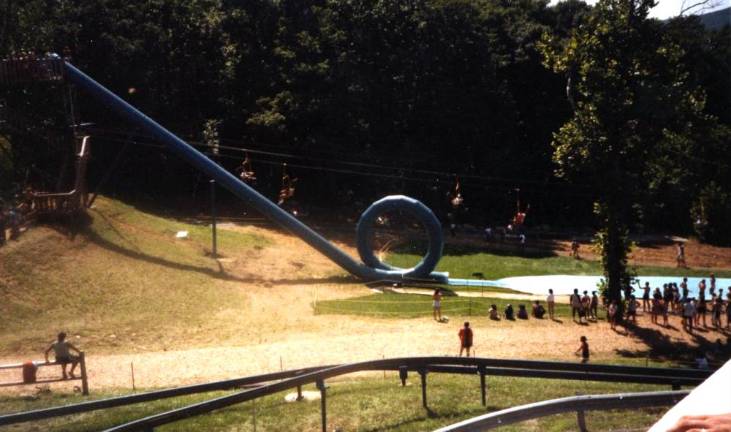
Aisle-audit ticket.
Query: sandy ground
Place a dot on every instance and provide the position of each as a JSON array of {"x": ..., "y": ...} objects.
[{"x": 344, "y": 339}]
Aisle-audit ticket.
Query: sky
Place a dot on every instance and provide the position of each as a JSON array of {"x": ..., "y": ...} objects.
[{"x": 671, "y": 8}]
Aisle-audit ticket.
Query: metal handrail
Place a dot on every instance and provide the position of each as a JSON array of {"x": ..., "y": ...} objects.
[
  {"x": 422, "y": 365},
  {"x": 578, "y": 404},
  {"x": 83, "y": 377},
  {"x": 83, "y": 407},
  {"x": 471, "y": 365}
]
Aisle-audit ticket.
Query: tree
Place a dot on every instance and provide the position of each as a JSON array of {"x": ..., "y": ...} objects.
[{"x": 632, "y": 101}]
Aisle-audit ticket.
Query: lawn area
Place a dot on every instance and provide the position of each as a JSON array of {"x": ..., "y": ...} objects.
[
  {"x": 392, "y": 305},
  {"x": 493, "y": 266},
  {"x": 373, "y": 403}
]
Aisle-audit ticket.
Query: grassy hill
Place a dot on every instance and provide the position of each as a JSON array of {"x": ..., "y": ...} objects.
[
  {"x": 124, "y": 283},
  {"x": 124, "y": 276}
]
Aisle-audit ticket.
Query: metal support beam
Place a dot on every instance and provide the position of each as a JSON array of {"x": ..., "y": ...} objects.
[
  {"x": 483, "y": 388},
  {"x": 422, "y": 373},
  {"x": 323, "y": 403},
  {"x": 581, "y": 420},
  {"x": 403, "y": 374},
  {"x": 214, "y": 239}
]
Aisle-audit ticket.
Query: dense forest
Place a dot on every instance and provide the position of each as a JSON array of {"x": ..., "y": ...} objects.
[{"x": 580, "y": 108}]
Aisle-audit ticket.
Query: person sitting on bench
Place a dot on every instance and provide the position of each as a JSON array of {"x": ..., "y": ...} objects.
[{"x": 62, "y": 351}]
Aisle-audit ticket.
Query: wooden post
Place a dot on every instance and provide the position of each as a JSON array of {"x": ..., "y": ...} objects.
[
  {"x": 423, "y": 373},
  {"x": 214, "y": 248},
  {"x": 323, "y": 405},
  {"x": 299, "y": 393},
  {"x": 84, "y": 377},
  {"x": 403, "y": 374},
  {"x": 483, "y": 388},
  {"x": 581, "y": 420}
]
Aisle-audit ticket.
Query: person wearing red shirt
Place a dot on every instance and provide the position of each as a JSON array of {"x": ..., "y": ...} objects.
[{"x": 465, "y": 339}]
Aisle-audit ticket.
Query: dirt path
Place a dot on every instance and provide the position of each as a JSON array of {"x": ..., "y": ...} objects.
[
  {"x": 349, "y": 339},
  {"x": 277, "y": 329}
]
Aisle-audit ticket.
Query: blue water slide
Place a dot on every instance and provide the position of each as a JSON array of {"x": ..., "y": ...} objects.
[{"x": 372, "y": 270}]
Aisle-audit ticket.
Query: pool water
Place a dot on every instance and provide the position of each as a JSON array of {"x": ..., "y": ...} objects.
[{"x": 565, "y": 284}]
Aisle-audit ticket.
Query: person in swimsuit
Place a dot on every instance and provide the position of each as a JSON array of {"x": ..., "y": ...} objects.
[
  {"x": 551, "y": 300},
  {"x": 437, "y": 303},
  {"x": 62, "y": 351}
]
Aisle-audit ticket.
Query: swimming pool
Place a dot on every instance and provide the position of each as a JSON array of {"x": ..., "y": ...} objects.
[{"x": 565, "y": 284}]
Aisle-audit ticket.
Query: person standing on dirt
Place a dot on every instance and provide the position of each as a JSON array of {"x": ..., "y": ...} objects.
[
  {"x": 551, "y": 301},
  {"x": 585, "y": 311},
  {"x": 684, "y": 288},
  {"x": 716, "y": 308},
  {"x": 612, "y": 314},
  {"x": 465, "y": 339},
  {"x": 701, "y": 310},
  {"x": 575, "y": 301},
  {"x": 646, "y": 297},
  {"x": 680, "y": 257},
  {"x": 437, "y": 303},
  {"x": 583, "y": 349},
  {"x": 594, "y": 305},
  {"x": 702, "y": 289},
  {"x": 689, "y": 315},
  {"x": 575, "y": 249},
  {"x": 632, "y": 310},
  {"x": 62, "y": 351}
]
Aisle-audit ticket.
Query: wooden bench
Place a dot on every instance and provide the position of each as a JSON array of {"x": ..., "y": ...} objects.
[{"x": 82, "y": 368}]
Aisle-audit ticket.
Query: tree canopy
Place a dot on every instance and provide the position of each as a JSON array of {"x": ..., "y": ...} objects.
[{"x": 374, "y": 97}]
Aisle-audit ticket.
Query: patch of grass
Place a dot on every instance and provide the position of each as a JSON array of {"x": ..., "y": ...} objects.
[
  {"x": 370, "y": 403},
  {"x": 392, "y": 305},
  {"x": 126, "y": 277},
  {"x": 494, "y": 266}
]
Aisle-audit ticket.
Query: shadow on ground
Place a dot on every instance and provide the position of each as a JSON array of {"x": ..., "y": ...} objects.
[{"x": 663, "y": 348}]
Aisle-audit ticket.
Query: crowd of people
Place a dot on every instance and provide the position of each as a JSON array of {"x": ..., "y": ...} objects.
[
  {"x": 674, "y": 299},
  {"x": 671, "y": 299}
]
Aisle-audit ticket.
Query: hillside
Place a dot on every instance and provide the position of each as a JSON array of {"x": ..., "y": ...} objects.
[
  {"x": 125, "y": 280},
  {"x": 717, "y": 19}
]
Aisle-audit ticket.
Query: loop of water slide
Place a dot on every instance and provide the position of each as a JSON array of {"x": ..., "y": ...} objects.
[{"x": 372, "y": 270}]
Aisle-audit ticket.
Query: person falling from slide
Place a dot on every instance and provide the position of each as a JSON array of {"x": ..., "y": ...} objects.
[
  {"x": 520, "y": 215},
  {"x": 456, "y": 199}
]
